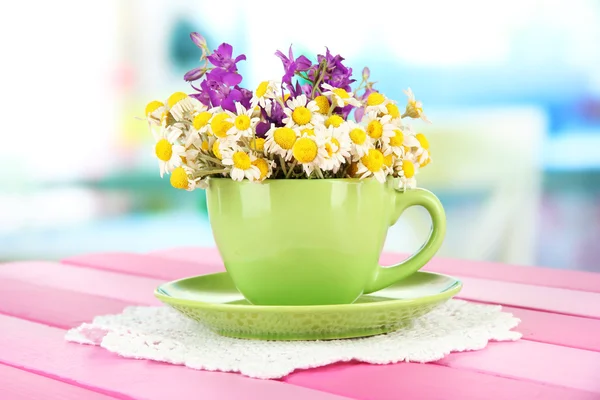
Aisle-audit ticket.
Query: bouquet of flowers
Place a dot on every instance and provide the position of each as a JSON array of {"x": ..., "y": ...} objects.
[{"x": 296, "y": 128}]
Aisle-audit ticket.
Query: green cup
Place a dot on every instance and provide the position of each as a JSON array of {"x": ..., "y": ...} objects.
[{"x": 318, "y": 241}]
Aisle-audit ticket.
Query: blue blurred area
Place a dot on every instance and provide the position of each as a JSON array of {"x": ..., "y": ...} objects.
[{"x": 513, "y": 89}]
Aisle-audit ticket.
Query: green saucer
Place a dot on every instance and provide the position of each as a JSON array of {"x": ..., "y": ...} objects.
[{"x": 214, "y": 301}]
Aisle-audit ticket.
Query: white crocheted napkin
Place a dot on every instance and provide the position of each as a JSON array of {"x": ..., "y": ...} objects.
[{"x": 162, "y": 334}]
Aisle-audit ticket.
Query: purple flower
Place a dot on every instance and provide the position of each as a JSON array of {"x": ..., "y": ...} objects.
[
  {"x": 221, "y": 84},
  {"x": 246, "y": 96},
  {"x": 291, "y": 66},
  {"x": 222, "y": 58},
  {"x": 198, "y": 40},
  {"x": 194, "y": 74},
  {"x": 335, "y": 72},
  {"x": 224, "y": 76},
  {"x": 262, "y": 128}
]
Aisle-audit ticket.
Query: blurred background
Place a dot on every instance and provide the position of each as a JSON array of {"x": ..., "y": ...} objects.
[{"x": 512, "y": 88}]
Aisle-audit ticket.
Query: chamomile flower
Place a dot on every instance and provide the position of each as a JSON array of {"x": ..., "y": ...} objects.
[
  {"x": 263, "y": 94},
  {"x": 181, "y": 179},
  {"x": 391, "y": 109},
  {"x": 265, "y": 167},
  {"x": 301, "y": 112},
  {"x": 406, "y": 170},
  {"x": 422, "y": 153},
  {"x": 186, "y": 108},
  {"x": 340, "y": 97},
  {"x": 243, "y": 122},
  {"x": 221, "y": 124},
  {"x": 376, "y": 102},
  {"x": 168, "y": 150},
  {"x": 375, "y": 126},
  {"x": 338, "y": 147},
  {"x": 414, "y": 108},
  {"x": 154, "y": 110},
  {"x": 372, "y": 164},
  {"x": 241, "y": 164},
  {"x": 167, "y": 117},
  {"x": 359, "y": 141},
  {"x": 201, "y": 121},
  {"x": 323, "y": 104},
  {"x": 309, "y": 151},
  {"x": 280, "y": 141},
  {"x": 399, "y": 139}
]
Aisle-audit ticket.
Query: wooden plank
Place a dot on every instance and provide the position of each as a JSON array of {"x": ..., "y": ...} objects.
[
  {"x": 564, "y": 301},
  {"x": 538, "y": 276},
  {"x": 142, "y": 265},
  {"x": 525, "y": 355},
  {"x": 538, "y": 362},
  {"x": 55, "y": 307},
  {"x": 547, "y": 327},
  {"x": 563, "y": 330},
  {"x": 42, "y": 349},
  {"x": 16, "y": 384},
  {"x": 137, "y": 290},
  {"x": 425, "y": 381}
]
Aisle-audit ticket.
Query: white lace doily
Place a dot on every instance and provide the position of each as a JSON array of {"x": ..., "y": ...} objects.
[{"x": 162, "y": 334}]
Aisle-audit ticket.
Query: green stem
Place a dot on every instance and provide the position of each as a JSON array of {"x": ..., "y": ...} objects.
[
  {"x": 291, "y": 169},
  {"x": 209, "y": 158},
  {"x": 282, "y": 162},
  {"x": 201, "y": 174},
  {"x": 322, "y": 67},
  {"x": 319, "y": 173}
]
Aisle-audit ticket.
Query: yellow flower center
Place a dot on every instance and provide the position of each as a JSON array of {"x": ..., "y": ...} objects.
[
  {"x": 262, "y": 166},
  {"x": 261, "y": 90},
  {"x": 308, "y": 131},
  {"x": 397, "y": 139},
  {"x": 257, "y": 144},
  {"x": 341, "y": 93},
  {"x": 423, "y": 141},
  {"x": 301, "y": 115},
  {"x": 204, "y": 145},
  {"x": 216, "y": 151},
  {"x": 334, "y": 120},
  {"x": 242, "y": 122},
  {"x": 323, "y": 104},
  {"x": 358, "y": 136},
  {"x": 373, "y": 160},
  {"x": 241, "y": 160},
  {"x": 286, "y": 97},
  {"x": 219, "y": 125},
  {"x": 285, "y": 137},
  {"x": 179, "y": 178},
  {"x": 329, "y": 149},
  {"x": 201, "y": 119},
  {"x": 388, "y": 160},
  {"x": 375, "y": 99},
  {"x": 153, "y": 106},
  {"x": 305, "y": 150},
  {"x": 375, "y": 129},
  {"x": 408, "y": 168},
  {"x": 175, "y": 98},
  {"x": 393, "y": 110},
  {"x": 424, "y": 163},
  {"x": 163, "y": 150}
]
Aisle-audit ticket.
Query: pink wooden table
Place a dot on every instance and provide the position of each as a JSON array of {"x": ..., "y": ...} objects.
[{"x": 558, "y": 357}]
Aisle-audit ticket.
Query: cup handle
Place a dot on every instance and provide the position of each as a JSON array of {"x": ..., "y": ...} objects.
[{"x": 386, "y": 276}]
